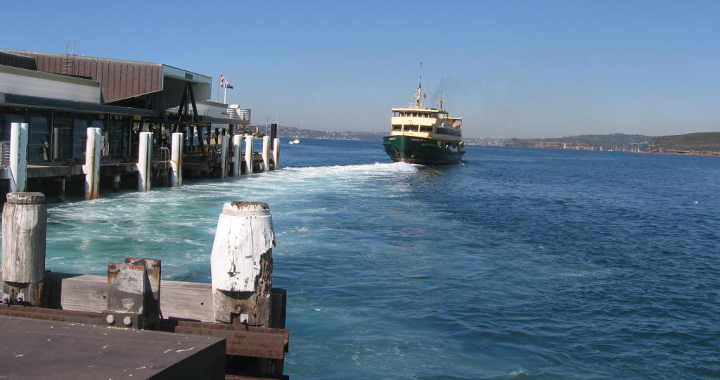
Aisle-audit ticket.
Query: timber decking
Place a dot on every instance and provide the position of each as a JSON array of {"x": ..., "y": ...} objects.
[{"x": 40, "y": 349}]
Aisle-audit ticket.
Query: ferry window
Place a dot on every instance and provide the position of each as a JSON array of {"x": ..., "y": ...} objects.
[{"x": 396, "y": 127}]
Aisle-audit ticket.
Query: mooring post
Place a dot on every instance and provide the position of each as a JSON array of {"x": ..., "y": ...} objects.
[
  {"x": 18, "y": 156},
  {"x": 176, "y": 159},
  {"x": 24, "y": 228},
  {"x": 144, "y": 160},
  {"x": 248, "y": 154},
  {"x": 241, "y": 264},
  {"x": 237, "y": 150},
  {"x": 224, "y": 142},
  {"x": 266, "y": 153},
  {"x": 92, "y": 163},
  {"x": 276, "y": 153}
]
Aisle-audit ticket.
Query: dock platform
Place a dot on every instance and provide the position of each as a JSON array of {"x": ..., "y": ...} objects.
[{"x": 42, "y": 349}]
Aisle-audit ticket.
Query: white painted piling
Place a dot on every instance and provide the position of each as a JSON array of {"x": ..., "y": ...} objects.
[
  {"x": 18, "y": 156},
  {"x": 24, "y": 230},
  {"x": 241, "y": 263},
  {"x": 176, "y": 165},
  {"x": 276, "y": 153},
  {"x": 266, "y": 153},
  {"x": 248, "y": 154},
  {"x": 144, "y": 161},
  {"x": 237, "y": 150},
  {"x": 224, "y": 142},
  {"x": 93, "y": 147}
]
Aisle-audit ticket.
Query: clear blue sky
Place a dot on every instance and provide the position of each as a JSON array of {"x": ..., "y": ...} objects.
[{"x": 511, "y": 68}]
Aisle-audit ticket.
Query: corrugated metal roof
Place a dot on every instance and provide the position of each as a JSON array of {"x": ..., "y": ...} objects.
[{"x": 119, "y": 79}]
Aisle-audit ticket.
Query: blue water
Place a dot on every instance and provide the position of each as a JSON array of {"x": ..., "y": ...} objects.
[{"x": 519, "y": 264}]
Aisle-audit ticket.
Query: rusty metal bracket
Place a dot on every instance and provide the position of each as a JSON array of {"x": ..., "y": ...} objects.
[{"x": 133, "y": 294}]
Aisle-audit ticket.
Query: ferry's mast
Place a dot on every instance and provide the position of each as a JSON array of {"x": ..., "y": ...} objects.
[
  {"x": 418, "y": 94},
  {"x": 442, "y": 108}
]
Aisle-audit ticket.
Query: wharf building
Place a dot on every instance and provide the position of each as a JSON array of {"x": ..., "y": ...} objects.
[{"x": 59, "y": 98}]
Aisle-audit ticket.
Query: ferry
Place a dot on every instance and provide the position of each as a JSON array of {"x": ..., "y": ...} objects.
[{"x": 421, "y": 135}]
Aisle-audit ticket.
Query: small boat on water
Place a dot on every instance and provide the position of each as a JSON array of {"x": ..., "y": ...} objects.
[
  {"x": 422, "y": 135},
  {"x": 296, "y": 141}
]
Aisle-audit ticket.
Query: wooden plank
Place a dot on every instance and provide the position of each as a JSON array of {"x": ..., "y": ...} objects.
[
  {"x": 241, "y": 342},
  {"x": 225, "y": 327},
  {"x": 179, "y": 300},
  {"x": 187, "y": 300},
  {"x": 39, "y": 350}
]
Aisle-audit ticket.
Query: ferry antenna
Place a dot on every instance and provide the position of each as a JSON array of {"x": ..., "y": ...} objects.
[{"x": 442, "y": 107}]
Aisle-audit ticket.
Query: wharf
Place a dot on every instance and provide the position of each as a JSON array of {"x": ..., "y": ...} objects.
[
  {"x": 36, "y": 349},
  {"x": 60, "y": 325}
]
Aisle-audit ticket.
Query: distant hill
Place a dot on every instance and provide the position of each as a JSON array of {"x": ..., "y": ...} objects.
[
  {"x": 704, "y": 143},
  {"x": 311, "y": 134},
  {"x": 616, "y": 141}
]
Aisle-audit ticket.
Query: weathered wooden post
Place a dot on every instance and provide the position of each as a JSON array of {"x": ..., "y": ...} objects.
[
  {"x": 248, "y": 154},
  {"x": 276, "y": 153},
  {"x": 224, "y": 142},
  {"x": 24, "y": 228},
  {"x": 241, "y": 264},
  {"x": 266, "y": 153},
  {"x": 176, "y": 160},
  {"x": 18, "y": 156},
  {"x": 92, "y": 163},
  {"x": 237, "y": 148},
  {"x": 144, "y": 160}
]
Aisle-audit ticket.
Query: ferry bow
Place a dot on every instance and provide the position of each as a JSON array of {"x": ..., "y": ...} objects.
[{"x": 422, "y": 135}]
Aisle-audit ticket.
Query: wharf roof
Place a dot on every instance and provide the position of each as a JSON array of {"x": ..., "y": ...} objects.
[{"x": 123, "y": 80}]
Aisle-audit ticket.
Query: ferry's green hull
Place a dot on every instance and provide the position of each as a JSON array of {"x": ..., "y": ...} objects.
[{"x": 423, "y": 151}]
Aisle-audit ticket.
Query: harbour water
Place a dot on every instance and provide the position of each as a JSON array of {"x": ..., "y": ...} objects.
[{"x": 519, "y": 264}]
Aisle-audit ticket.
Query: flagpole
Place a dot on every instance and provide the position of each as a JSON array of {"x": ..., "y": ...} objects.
[{"x": 225, "y": 96}]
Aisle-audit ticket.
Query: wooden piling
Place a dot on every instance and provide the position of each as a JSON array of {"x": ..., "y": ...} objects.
[
  {"x": 92, "y": 163},
  {"x": 224, "y": 140},
  {"x": 144, "y": 161},
  {"x": 176, "y": 160},
  {"x": 241, "y": 264},
  {"x": 237, "y": 150},
  {"x": 248, "y": 154},
  {"x": 276, "y": 153},
  {"x": 24, "y": 228},
  {"x": 18, "y": 156},
  {"x": 266, "y": 153}
]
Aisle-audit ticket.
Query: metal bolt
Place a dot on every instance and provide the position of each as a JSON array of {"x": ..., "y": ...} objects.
[
  {"x": 127, "y": 321},
  {"x": 110, "y": 319}
]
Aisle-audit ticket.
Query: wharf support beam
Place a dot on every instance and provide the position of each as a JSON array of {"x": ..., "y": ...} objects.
[
  {"x": 92, "y": 163},
  {"x": 18, "y": 156},
  {"x": 266, "y": 153},
  {"x": 248, "y": 154},
  {"x": 144, "y": 161},
  {"x": 276, "y": 153},
  {"x": 237, "y": 153},
  {"x": 176, "y": 166}
]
